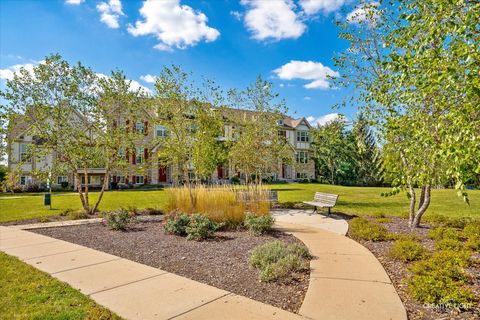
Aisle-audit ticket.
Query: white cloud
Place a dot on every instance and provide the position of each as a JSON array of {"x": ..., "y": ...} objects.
[
  {"x": 237, "y": 15},
  {"x": 134, "y": 85},
  {"x": 364, "y": 13},
  {"x": 110, "y": 13},
  {"x": 272, "y": 19},
  {"x": 148, "y": 78},
  {"x": 316, "y": 72},
  {"x": 307, "y": 98},
  {"x": 322, "y": 120},
  {"x": 174, "y": 25},
  {"x": 8, "y": 73},
  {"x": 326, "y": 6},
  {"x": 74, "y": 2}
]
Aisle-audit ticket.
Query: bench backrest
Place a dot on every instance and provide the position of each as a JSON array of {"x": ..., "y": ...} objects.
[{"x": 326, "y": 198}]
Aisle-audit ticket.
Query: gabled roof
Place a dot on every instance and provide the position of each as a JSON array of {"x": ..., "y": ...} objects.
[{"x": 294, "y": 123}]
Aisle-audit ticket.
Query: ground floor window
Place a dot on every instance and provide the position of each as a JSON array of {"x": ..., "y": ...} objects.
[
  {"x": 302, "y": 175},
  {"x": 139, "y": 180},
  {"x": 25, "y": 180},
  {"x": 93, "y": 180},
  {"x": 302, "y": 157},
  {"x": 191, "y": 175},
  {"x": 121, "y": 179},
  {"x": 61, "y": 179}
]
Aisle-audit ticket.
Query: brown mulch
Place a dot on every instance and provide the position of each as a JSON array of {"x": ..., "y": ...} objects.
[
  {"x": 398, "y": 271},
  {"x": 221, "y": 262}
]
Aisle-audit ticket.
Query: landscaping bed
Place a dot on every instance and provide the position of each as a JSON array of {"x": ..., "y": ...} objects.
[
  {"x": 221, "y": 261},
  {"x": 399, "y": 271}
]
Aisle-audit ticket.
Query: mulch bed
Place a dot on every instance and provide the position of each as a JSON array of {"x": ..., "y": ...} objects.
[
  {"x": 397, "y": 271},
  {"x": 221, "y": 262}
]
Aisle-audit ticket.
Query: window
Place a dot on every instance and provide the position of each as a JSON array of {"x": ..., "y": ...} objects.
[
  {"x": 61, "y": 179},
  {"x": 280, "y": 122},
  {"x": 139, "y": 155},
  {"x": 25, "y": 180},
  {"x": 140, "y": 127},
  {"x": 160, "y": 131},
  {"x": 302, "y": 136},
  {"x": 302, "y": 157},
  {"x": 282, "y": 134},
  {"x": 139, "y": 180},
  {"x": 121, "y": 179},
  {"x": 302, "y": 175},
  {"x": 24, "y": 156},
  {"x": 191, "y": 175}
]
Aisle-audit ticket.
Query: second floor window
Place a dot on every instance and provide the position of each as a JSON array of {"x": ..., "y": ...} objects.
[
  {"x": 160, "y": 131},
  {"x": 24, "y": 156},
  {"x": 302, "y": 157},
  {"x": 139, "y": 155},
  {"x": 302, "y": 136},
  {"x": 25, "y": 180},
  {"x": 140, "y": 127}
]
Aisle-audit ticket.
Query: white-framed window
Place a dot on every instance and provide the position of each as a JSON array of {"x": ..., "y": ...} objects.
[
  {"x": 61, "y": 179},
  {"x": 191, "y": 175},
  {"x": 140, "y": 127},
  {"x": 25, "y": 180},
  {"x": 139, "y": 155},
  {"x": 302, "y": 157},
  {"x": 24, "y": 156},
  {"x": 139, "y": 180},
  {"x": 93, "y": 180},
  {"x": 302, "y": 136},
  {"x": 302, "y": 175},
  {"x": 121, "y": 179},
  {"x": 160, "y": 131}
]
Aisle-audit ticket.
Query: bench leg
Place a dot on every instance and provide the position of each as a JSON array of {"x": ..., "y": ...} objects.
[
  {"x": 328, "y": 210},
  {"x": 315, "y": 209}
]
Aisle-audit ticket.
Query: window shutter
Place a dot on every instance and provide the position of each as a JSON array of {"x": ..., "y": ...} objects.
[
  {"x": 145, "y": 128},
  {"x": 134, "y": 180},
  {"x": 145, "y": 153},
  {"x": 114, "y": 179}
]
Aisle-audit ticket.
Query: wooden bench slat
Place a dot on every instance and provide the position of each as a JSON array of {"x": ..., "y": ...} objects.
[{"x": 323, "y": 200}]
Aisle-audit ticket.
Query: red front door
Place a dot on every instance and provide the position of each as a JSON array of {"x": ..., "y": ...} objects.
[
  {"x": 162, "y": 174},
  {"x": 220, "y": 172}
]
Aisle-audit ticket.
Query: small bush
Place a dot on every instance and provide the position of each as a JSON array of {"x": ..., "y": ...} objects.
[
  {"x": 258, "y": 225},
  {"x": 200, "y": 227},
  {"x": 459, "y": 223},
  {"x": 175, "y": 223},
  {"x": 407, "y": 250},
  {"x": 449, "y": 244},
  {"x": 153, "y": 212},
  {"x": 361, "y": 228},
  {"x": 44, "y": 219},
  {"x": 119, "y": 220},
  {"x": 76, "y": 214},
  {"x": 277, "y": 260},
  {"x": 441, "y": 233},
  {"x": 64, "y": 184},
  {"x": 472, "y": 233},
  {"x": 445, "y": 263}
]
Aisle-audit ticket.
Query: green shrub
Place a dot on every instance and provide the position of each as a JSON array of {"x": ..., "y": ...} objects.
[
  {"x": 441, "y": 233},
  {"x": 76, "y": 214},
  {"x": 472, "y": 233},
  {"x": 200, "y": 227},
  {"x": 258, "y": 225},
  {"x": 407, "y": 250},
  {"x": 119, "y": 220},
  {"x": 444, "y": 264},
  {"x": 445, "y": 291},
  {"x": 436, "y": 219},
  {"x": 44, "y": 219},
  {"x": 449, "y": 244},
  {"x": 277, "y": 260},
  {"x": 176, "y": 222},
  {"x": 459, "y": 222},
  {"x": 361, "y": 228}
]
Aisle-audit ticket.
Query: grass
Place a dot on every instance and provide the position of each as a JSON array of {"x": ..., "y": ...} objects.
[
  {"x": 352, "y": 200},
  {"x": 27, "y": 293}
]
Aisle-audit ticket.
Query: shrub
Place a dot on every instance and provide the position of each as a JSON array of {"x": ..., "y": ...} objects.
[
  {"x": 276, "y": 259},
  {"x": 444, "y": 263},
  {"x": 407, "y": 250},
  {"x": 441, "y": 233},
  {"x": 119, "y": 220},
  {"x": 175, "y": 223},
  {"x": 235, "y": 180},
  {"x": 361, "y": 228},
  {"x": 64, "y": 184},
  {"x": 460, "y": 222},
  {"x": 258, "y": 225},
  {"x": 472, "y": 233},
  {"x": 200, "y": 227},
  {"x": 445, "y": 291},
  {"x": 44, "y": 219},
  {"x": 449, "y": 244},
  {"x": 75, "y": 214}
]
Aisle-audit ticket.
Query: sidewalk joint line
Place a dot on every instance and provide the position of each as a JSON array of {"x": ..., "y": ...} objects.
[
  {"x": 88, "y": 265},
  {"x": 202, "y": 305},
  {"x": 52, "y": 254},
  {"x": 31, "y": 245},
  {"x": 348, "y": 279},
  {"x": 126, "y": 284}
]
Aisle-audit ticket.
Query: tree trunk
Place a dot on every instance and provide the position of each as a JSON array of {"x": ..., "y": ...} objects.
[
  {"x": 87, "y": 202},
  {"x": 104, "y": 185},
  {"x": 411, "y": 216},
  {"x": 423, "y": 208},
  {"x": 422, "y": 198},
  {"x": 79, "y": 190}
]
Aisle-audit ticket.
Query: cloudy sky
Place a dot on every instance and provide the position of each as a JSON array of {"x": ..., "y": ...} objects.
[{"x": 289, "y": 42}]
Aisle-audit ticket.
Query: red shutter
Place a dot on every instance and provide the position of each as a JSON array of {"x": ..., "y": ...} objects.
[
  {"x": 134, "y": 158},
  {"x": 126, "y": 180},
  {"x": 114, "y": 179},
  {"x": 145, "y": 128},
  {"x": 134, "y": 180},
  {"x": 145, "y": 179},
  {"x": 145, "y": 153}
]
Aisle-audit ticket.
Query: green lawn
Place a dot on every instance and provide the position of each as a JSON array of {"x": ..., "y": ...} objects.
[
  {"x": 353, "y": 200},
  {"x": 27, "y": 293}
]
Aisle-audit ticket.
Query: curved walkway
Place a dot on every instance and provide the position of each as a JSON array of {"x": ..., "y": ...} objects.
[{"x": 346, "y": 280}]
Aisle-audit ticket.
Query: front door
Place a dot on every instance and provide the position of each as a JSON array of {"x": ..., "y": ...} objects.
[
  {"x": 220, "y": 172},
  {"x": 162, "y": 174}
]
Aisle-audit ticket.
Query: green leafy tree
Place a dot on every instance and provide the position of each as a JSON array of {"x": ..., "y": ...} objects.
[{"x": 415, "y": 65}]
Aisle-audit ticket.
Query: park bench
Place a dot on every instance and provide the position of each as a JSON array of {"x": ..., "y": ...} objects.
[
  {"x": 323, "y": 200},
  {"x": 244, "y": 196}
]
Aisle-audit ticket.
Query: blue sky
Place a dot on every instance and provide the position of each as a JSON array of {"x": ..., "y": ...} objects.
[{"x": 289, "y": 42}]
